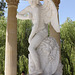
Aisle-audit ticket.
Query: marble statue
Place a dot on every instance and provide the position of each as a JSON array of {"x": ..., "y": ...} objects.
[{"x": 41, "y": 16}]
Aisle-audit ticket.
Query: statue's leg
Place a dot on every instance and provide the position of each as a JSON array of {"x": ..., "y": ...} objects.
[
  {"x": 35, "y": 42},
  {"x": 33, "y": 53}
]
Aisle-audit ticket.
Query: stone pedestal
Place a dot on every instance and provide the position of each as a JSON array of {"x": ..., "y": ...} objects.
[{"x": 11, "y": 39}]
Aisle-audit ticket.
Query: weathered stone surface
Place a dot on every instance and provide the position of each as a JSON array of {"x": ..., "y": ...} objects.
[{"x": 48, "y": 52}]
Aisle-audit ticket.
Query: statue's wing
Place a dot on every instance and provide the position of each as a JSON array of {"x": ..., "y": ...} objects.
[{"x": 49, "y": 14}]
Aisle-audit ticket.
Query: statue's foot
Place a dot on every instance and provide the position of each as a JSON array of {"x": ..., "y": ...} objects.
[
  {"x": 39, "y": 71},
  {"x": 36, "y": 72}
]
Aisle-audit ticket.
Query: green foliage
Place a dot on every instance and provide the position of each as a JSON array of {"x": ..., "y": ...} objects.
[
  {"x": 2, "y": 44},
  {"x": 24, "y": 29},
  {"x": 2, "y": 6},
  {"x": 22, "y": 65},
  {"x": 68, "y": 47}
]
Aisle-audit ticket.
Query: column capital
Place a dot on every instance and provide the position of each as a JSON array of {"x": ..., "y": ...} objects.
[
  {"x": 12, "y": 2},
  {"x": 57, "y": 2}
]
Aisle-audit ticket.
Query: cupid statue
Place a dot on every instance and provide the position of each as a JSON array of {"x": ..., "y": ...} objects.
[{"x": 41, "y": 16}]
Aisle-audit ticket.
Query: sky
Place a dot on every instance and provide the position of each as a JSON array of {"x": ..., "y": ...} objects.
[{"x": 66, "y": 9}]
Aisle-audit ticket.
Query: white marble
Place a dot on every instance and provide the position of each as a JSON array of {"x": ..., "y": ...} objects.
[
  {"x": 41, "y": 16},
  {"x": 59, "y": 70},
  {"x": 48, "y": 52}
]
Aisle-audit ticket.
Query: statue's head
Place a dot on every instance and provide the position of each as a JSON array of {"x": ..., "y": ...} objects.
[{"x": 33, "y": 2}]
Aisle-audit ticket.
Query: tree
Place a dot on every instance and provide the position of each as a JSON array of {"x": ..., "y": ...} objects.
[
  {"x": 68, "y": 47},
  {"x": 22, "y": 65},
  {"x": 2, "y": 6},
  {"x": 23, "y": 32},
  {"x": 2, "y": 44}
]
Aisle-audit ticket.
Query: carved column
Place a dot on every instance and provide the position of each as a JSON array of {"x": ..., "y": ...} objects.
[{"x": 11, "y": 39}]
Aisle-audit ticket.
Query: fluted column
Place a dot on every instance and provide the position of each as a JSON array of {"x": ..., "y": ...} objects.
[{"x": 11, "y": 39}]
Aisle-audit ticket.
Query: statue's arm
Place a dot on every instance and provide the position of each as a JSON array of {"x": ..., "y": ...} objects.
[
  {"x": 22, "y": 17},
  {"x": 25, "y": 14}
]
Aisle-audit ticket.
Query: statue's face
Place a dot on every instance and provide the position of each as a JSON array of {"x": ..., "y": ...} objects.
[{"x": 33, "y": 2}]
